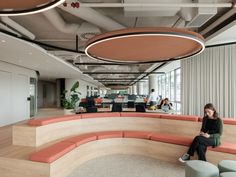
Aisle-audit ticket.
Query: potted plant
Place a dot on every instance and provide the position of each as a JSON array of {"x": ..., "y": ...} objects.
[{"x": 70, "y": 98}]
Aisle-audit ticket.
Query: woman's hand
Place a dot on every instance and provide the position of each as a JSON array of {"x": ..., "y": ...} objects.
[
  {"x": 201, "y": 133},
  {"x": 204, "y": 134}
]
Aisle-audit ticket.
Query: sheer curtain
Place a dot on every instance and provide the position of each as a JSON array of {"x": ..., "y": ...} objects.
[{"x": 210, "y": 78}]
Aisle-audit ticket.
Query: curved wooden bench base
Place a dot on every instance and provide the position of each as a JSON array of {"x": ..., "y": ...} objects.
[
  {"x": 70, "y": 161},
  {"x": 36, "y": 136}
]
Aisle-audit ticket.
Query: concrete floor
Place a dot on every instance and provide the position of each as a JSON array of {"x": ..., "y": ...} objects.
[{"x": 128, "y": 166}]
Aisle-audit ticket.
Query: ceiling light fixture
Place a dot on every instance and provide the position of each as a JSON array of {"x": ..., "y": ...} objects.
[
  {"x": 35, "y": 9},
  {"x": 145, "y": 45}
]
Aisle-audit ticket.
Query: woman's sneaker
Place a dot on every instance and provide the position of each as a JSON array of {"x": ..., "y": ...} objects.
[{"x": 184, "y": 158}]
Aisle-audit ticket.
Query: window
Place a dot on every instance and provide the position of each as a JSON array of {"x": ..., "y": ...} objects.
[
  {"x": 169, "y": 85},
  {"x": 163, "y": 86},
  {"x": 91, "y": 91},
  {"x": 167, "y": 93},
  {"x": 87, "y": 90},
  {"x": 177, "y": 85},
  {"x": 172, "y": 85}
]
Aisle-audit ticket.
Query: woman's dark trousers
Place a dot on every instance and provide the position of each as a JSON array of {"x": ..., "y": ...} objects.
[{"x": 200, "y": 144}]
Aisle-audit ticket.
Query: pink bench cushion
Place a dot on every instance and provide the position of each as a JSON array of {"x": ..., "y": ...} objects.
[
  {"x": 173, "y": 139},
  {"x": 52, "y": 153},
  {"x": 135, "y": 114},
  {"x": 109, "y": 134},
  {"x": 100, "y": 115},
  {"x": 229, "y": 121},
  {"x": 137, "y": 134},
  {"x": 50, "y": 120},
  {"x": 225, "y": 147},
  {"x": 82, "y": 139},
  {"x": 186, "y": 141},
  {"x": 180, "y": 117}
]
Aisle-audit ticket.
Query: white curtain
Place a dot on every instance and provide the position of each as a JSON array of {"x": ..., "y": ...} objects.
[{"x": 210, "y": 78}]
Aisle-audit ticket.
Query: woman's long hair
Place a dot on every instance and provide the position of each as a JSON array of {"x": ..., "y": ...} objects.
[{"x": 211, "y": 107}]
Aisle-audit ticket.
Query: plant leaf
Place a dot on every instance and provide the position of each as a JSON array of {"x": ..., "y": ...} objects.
[{"x": 75, "y": 86}]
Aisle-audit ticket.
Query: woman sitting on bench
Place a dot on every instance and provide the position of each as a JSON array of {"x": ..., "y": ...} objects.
[{"x": 211, "y": 131}]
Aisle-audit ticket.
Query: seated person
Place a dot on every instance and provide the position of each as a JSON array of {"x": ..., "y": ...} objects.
[
  {"x": 152, "y": 99},
  {"x": 165, "y": 105},
  {"x": 210, "y": 134}
]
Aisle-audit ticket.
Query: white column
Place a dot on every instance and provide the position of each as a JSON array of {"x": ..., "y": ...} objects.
[
  {"x": 99, "y": 91},
  {"x": 152, "y": 79},
  {"x": 104, "y": 91},
  {"x": 130, "y": 90},
  {"x": 140, "y": 88},
  {"x": 145, "y": 88},
  {"x": 134, "y": 89}
]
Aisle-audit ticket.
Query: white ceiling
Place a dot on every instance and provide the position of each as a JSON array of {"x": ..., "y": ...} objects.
[
  {"x": 225, "y": 35},
  {"x": 33, "y": 57}
]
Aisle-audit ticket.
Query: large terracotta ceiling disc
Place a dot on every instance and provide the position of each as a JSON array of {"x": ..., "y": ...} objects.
[
  {"x": 24, "y": 7},
  {"x": 145, "y": 45}
]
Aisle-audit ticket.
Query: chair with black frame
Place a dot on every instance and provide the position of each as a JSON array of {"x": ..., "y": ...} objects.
[
  {"x": 132, "y": 97},
  {"x": 90, "y": 108},
  {"x": 116, "y": 107},
  {"x": 130, "y": 104},
  {"x": 140, "y": 107},
  {"x": 90, "y": 102}
]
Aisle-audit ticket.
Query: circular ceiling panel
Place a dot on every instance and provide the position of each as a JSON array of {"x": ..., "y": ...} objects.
[
  {"x": 145, "y": 45},
  {"x": 24, "y": 7}
]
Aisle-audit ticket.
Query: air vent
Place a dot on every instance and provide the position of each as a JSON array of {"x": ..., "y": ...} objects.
[
  {"x": 150, "y": 11},
  {"x": 200, "y": 16}
]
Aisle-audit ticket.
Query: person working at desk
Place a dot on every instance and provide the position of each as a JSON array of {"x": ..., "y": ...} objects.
[{"x": 152, "y": 98}]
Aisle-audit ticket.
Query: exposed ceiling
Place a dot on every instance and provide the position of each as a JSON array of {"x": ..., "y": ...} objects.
[{"x": 70, "y": 28}]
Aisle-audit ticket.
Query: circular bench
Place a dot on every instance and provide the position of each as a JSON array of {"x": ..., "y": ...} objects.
[
  {"x": 227, "y": 166},
  {"x": 197, "y": 168},
  {"x": 228, "y": 174}
]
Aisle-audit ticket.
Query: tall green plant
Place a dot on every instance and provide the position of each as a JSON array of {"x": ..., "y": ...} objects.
[{"x": 69, "y": 99}]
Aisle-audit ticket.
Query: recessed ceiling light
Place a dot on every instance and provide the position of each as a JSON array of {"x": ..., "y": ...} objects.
[
  {"x": 3, "y": 40},
  {"x": 30, "y": 53}
]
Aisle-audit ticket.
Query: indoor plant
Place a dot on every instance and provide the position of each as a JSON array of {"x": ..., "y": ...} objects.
[{"x": 70, "y": 98}]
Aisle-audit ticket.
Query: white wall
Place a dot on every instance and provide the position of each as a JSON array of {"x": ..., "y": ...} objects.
[
  {"x": 210, "y": 77},
  {"x": 170, "y": 66},
  {"x": 82, "y": 86},
  {"x": 14, "y": 90}
]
